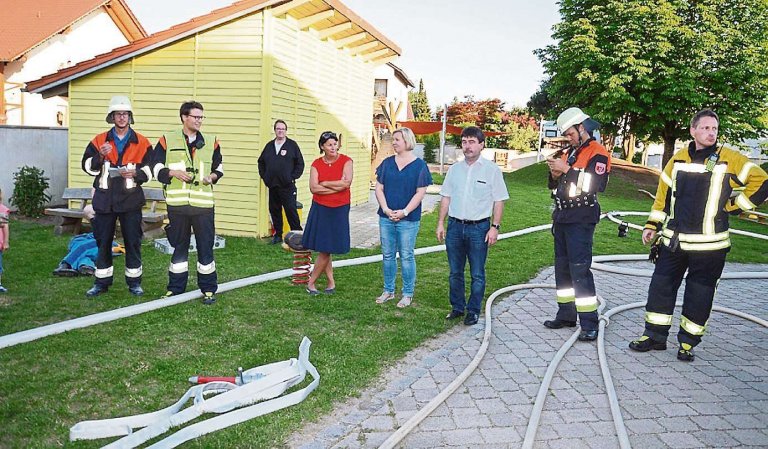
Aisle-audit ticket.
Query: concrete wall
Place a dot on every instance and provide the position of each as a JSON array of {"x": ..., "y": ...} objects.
[{"x": 44, "y": 148}]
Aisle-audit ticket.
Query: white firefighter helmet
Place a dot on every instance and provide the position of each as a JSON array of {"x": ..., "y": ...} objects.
[
  {"x": 119, "y": 103},
  {"x": 570, "y": 117},
  {"x": 575, "y": 116}
]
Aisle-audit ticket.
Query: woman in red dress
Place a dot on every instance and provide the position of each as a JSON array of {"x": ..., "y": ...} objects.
[{"x": 327, "y": 228}]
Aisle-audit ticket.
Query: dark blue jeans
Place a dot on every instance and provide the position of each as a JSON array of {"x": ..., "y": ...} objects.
[{"x": 467, "y": 242}]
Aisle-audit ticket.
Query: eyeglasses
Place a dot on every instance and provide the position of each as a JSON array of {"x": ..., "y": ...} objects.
[
  {"x": 197, "y": 117},
  {"x": 122, "y": 114},
  {"x": 281, "y": 129},
  {"x": 328, "y": 135}
]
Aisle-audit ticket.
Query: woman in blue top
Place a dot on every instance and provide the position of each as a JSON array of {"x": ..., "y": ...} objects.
[{"x": 401, "y": 182}]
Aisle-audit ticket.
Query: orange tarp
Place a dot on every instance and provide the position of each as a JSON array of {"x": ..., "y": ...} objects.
[{"x": 420, "y": 128}]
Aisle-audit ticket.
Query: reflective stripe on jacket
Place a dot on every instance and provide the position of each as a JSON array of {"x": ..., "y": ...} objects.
[{"x": 693, "y": 200}]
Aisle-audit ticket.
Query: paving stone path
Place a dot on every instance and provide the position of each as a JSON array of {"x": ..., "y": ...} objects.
[{"x": 718, "y": 401}]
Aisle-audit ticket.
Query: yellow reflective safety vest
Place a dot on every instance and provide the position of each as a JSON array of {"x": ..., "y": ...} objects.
[
  {"x": 698, "y": 190},
  {"x": 198, "y": 165}
]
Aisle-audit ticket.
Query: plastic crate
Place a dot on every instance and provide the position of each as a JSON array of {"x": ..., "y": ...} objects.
[{"x": 164, "y": 247}]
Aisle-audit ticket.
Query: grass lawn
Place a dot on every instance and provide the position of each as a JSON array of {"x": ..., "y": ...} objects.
[{"x": 140, "y": 364}]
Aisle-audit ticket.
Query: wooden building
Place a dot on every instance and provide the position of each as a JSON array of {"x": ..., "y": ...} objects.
[{"x": 308, "y": 62}]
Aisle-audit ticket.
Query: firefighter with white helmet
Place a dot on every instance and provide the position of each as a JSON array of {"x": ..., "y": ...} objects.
[
  {"x": 118, "y": 159},
  {"x": 575, "y": 178}
]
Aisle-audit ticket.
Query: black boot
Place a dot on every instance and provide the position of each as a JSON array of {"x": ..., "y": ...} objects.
[
  {"x": 136, "y": 290},
  {"x": 685, "y": 353},
  {"x": 646, "y": 343},
  {"x": 96, "y": 290},
  {"x": 588, "y": 335},
  {"x": 64, "y": 270},
  {"x": 557, "y": 324}
]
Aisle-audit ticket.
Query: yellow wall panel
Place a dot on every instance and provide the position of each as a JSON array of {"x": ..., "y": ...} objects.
[{"x": 247, "y": 73}]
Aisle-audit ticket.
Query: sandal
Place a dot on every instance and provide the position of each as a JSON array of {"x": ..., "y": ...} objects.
[
  {"x": 385, "y": 296},
  {"x": 404, "y": 302}
]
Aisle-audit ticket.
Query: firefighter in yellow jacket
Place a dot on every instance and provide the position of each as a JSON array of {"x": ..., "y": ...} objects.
[
  {"x": 699, "y": 187},
  {"x": 189, "y": 165}
]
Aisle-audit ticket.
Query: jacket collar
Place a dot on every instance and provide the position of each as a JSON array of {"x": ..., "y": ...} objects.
[
  {"x": 132, "y": 138},
  {"x": 702, "y": 154},
  {"x": 198, "y": 143}
]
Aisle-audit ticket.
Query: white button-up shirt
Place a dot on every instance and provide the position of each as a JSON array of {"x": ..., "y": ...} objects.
[{"x": 473, "y": 189}]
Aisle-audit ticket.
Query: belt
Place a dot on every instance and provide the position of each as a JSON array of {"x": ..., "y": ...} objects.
[{"x": 469, "y": 222}]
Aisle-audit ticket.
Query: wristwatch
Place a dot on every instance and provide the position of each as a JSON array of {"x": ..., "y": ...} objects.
[
  {"x": 497, "y": 226},
  {"x": 405, "y": 212}
]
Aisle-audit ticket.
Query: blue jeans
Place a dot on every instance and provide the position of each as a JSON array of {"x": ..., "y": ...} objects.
[
  {"x": 398, "y": 237},
  {"x": 467, "y": 242}
]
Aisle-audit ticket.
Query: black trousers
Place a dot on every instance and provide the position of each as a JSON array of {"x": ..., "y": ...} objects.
[
  {"x": 573, "y": 259},
  {"x": 183, "y": 221},
  {"x": 704, "y": 270},
  {"x": 283, "y": 198},
  {"x": 104, "y": 232}
]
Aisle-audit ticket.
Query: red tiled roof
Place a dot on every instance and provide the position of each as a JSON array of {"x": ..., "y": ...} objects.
[
  {"x": 180, "y": 31},
  {"x": 26, "y": 25}
]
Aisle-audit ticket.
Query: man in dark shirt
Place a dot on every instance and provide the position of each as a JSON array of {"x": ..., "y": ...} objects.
[{"x": 280, "y": 165}]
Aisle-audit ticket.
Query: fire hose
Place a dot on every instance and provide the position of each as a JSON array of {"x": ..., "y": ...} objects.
[{"x": 232, "y": 402}]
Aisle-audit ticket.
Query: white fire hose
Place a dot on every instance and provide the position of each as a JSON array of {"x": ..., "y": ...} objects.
[
  {"x": 234, "y": 404},
  {"x": 538, "y": 406}
]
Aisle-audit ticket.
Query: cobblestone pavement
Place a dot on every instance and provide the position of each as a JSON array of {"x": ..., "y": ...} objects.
[
  {"x": 364, "y": 221},
  {"x": 720, "y": 400}
]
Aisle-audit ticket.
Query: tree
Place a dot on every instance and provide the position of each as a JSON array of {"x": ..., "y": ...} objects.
[
  {"x": 540, "y": 104},
  {"x": 648, "y": 65},
  {"x": 520, "y": 130},
  {"x": 420, "y": 104}
]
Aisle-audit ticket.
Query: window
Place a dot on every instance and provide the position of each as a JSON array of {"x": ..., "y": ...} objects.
[{"x": 380, "y": 88}]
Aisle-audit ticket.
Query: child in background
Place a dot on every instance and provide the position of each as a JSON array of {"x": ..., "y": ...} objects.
[{"x": 4, "y": 231}]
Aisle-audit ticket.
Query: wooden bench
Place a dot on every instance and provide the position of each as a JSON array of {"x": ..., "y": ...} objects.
[{"x": 71, "y": 219}]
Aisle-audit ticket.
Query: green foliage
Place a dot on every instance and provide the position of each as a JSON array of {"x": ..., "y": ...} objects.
[
  {"x": 764, "y": 166},
  {"x": 437, "y": 179},
  {"x": 431, "y": 143},
  {"x": 521, "y": 131},
  {"x": 29, "y": 186},
  {"x": 637, "y": 158},
  {"x": 540, "y": 104},
  {"x": 648, "y": 67},
  {"x": 420, "y": 104}
]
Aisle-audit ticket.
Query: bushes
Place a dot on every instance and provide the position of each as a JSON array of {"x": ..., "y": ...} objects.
[
  {"x": 29, "y": 186},
  {"x": 431, "y": 143}
]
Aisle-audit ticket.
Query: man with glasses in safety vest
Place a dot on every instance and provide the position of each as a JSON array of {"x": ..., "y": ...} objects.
[
  {"x": 699, "y": 187},
  {"x": 575, "y": 179},
  {"x": 119, "y": 160},
  {"x": 189, "y": 165}
]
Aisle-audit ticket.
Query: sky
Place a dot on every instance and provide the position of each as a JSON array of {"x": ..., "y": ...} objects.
[{"x": 482, "y": 48}]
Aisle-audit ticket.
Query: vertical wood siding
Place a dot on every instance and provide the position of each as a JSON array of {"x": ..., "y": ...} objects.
[{"x": 246, "y": 73}]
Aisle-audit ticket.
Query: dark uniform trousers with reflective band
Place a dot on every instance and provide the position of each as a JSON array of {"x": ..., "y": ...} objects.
[
  {"x": 573, "y": 278},
  {"x": 104, "y": 231},
  {"x": 704, "y": 270},
  {"x": 182, "y": 221}
]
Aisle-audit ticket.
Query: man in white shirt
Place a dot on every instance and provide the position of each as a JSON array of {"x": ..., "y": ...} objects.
[{"x": 473, "y": 196}]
